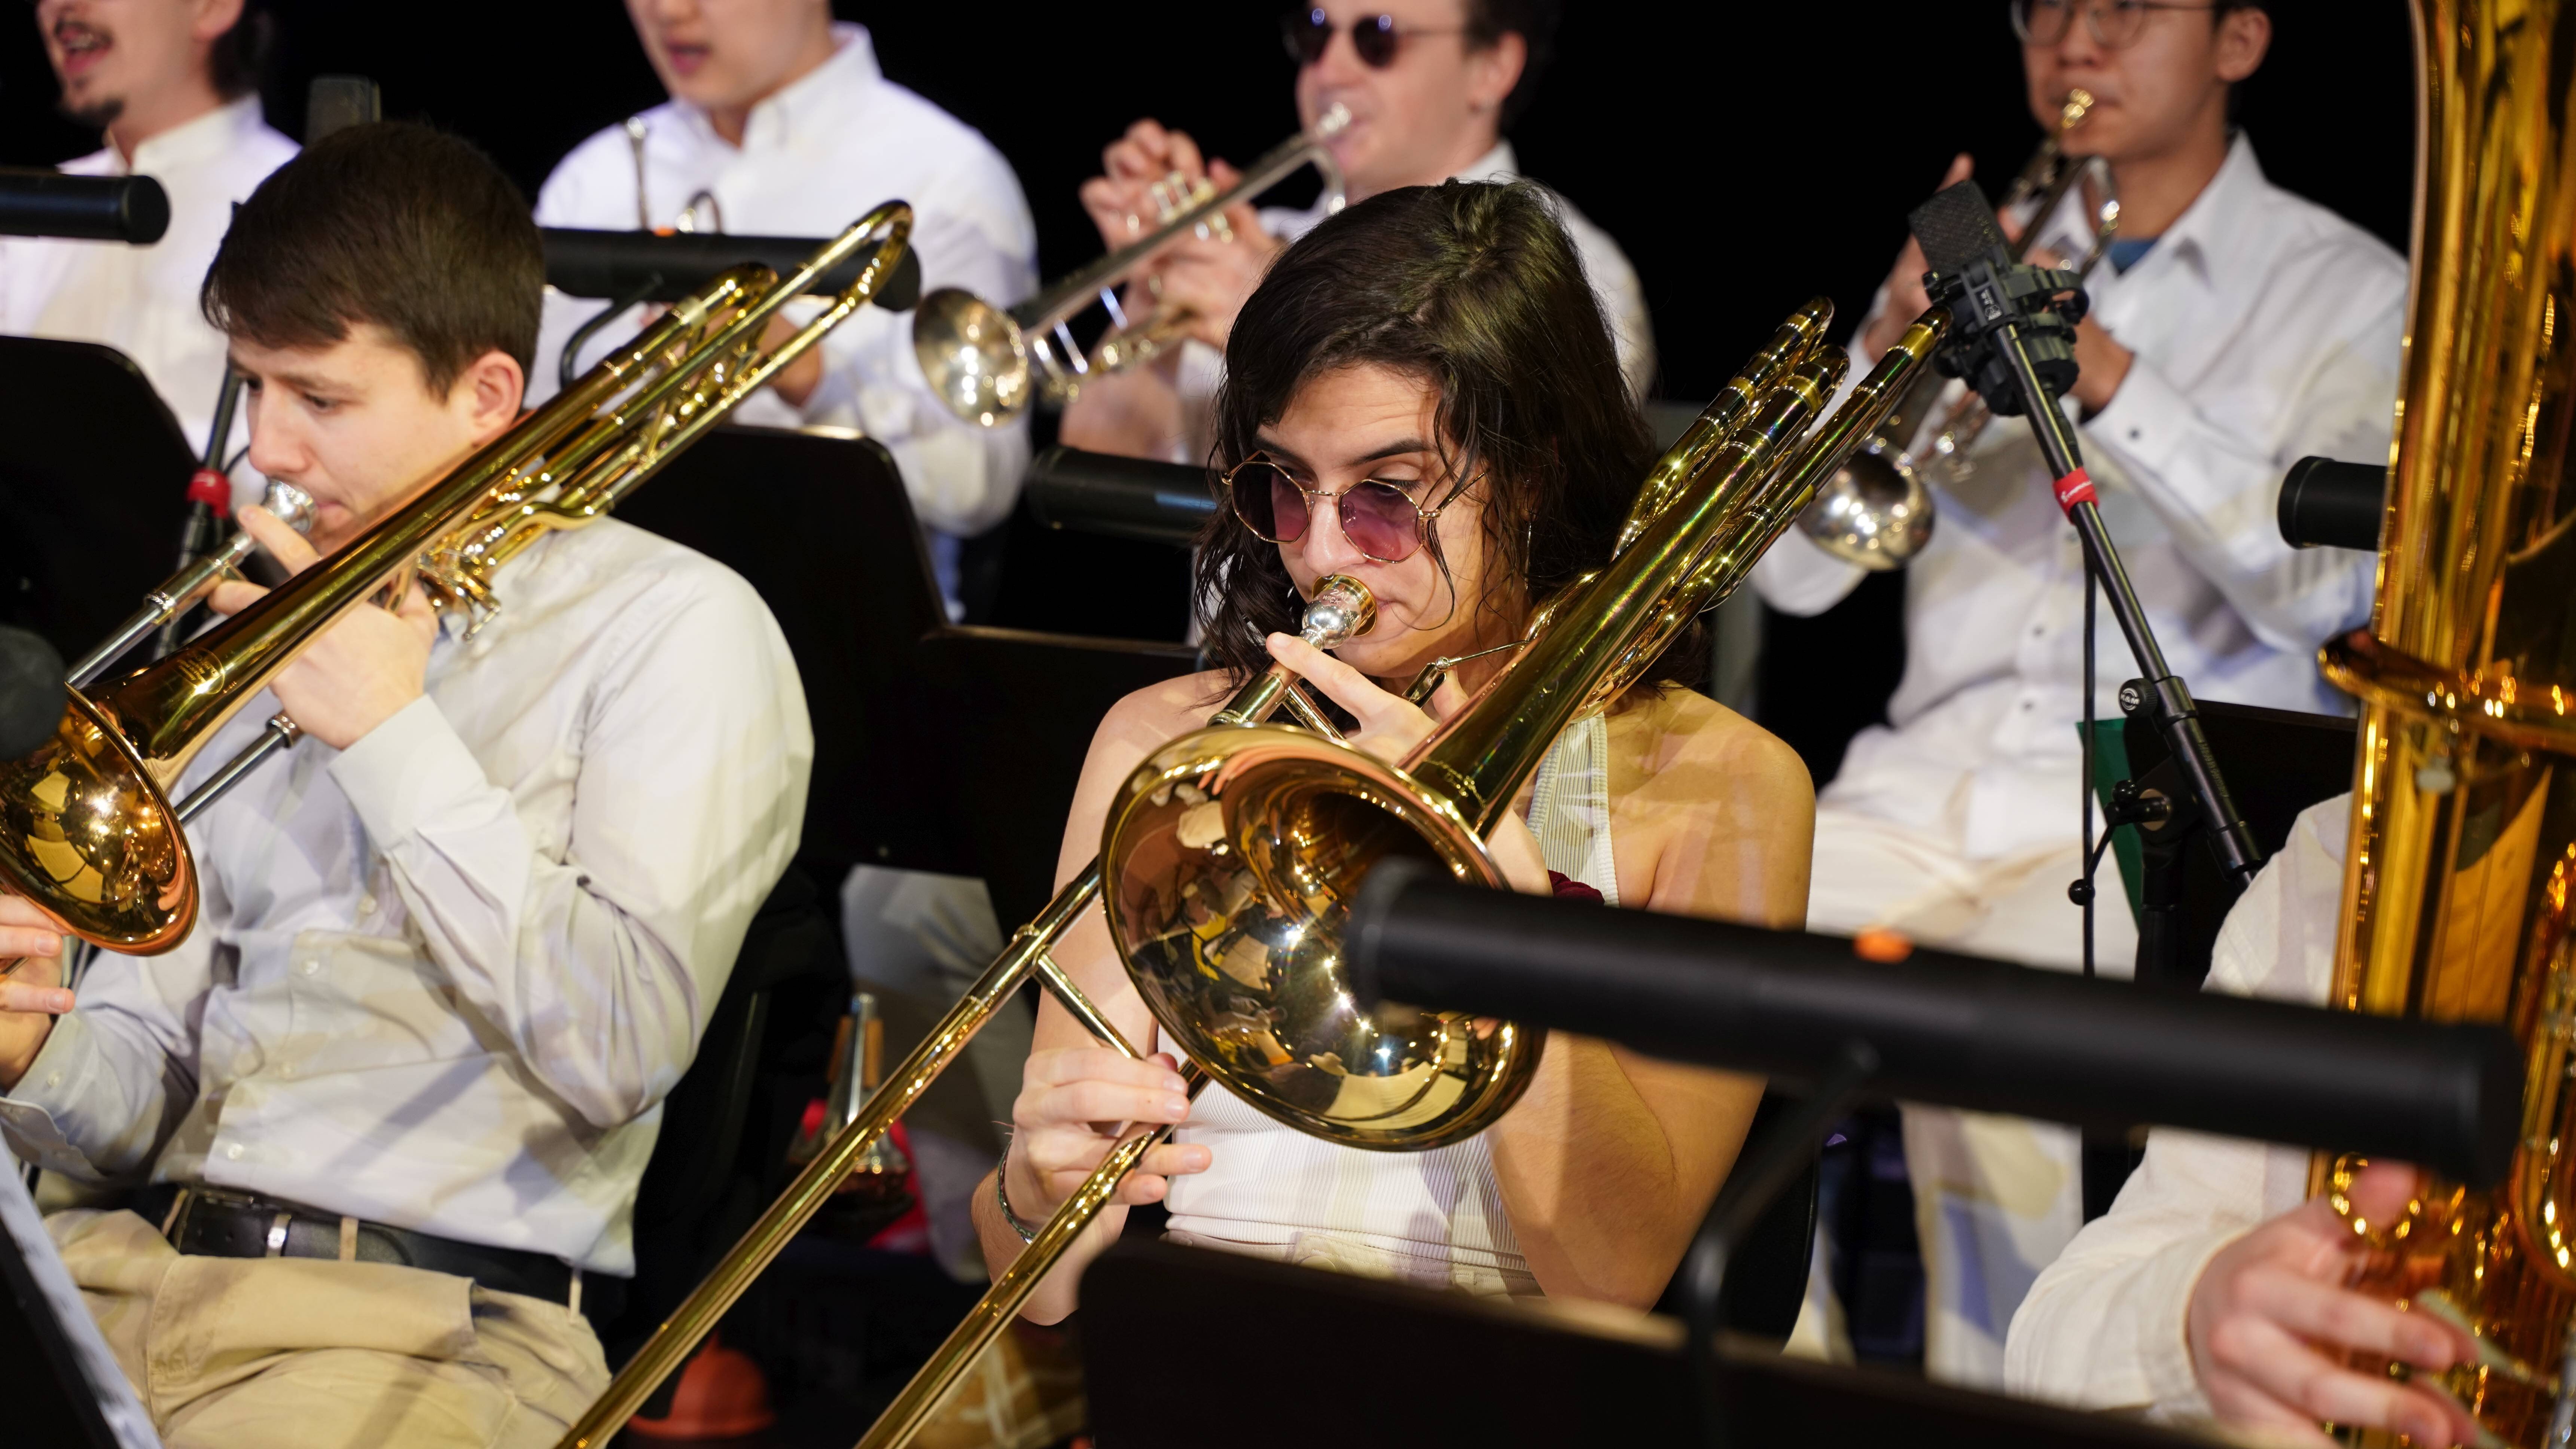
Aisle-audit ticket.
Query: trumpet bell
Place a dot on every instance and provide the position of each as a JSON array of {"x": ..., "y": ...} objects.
[
  {"x": 1240, "y": 850},
  {"x": 973, "y": 355},
  {"x": 1874, "y": 511},
  {"x": 91, "y": 836}
]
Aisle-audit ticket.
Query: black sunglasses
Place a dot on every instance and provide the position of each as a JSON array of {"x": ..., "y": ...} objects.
[{"x": 1309, "y": 33}]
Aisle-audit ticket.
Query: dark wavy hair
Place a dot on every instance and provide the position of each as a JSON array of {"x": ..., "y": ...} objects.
[{"x": 1476, "y": 289}]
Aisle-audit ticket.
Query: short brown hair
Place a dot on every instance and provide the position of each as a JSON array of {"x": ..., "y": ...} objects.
[{"x": 392, "y": 223}]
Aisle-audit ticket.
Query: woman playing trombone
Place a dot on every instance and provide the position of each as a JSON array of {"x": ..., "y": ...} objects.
[{"x": 1422, "y": 394}]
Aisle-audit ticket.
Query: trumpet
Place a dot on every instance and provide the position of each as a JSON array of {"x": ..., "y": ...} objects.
[
  {"x": 1878, "y": 512},
  {"x": 86, "y": 826},
  {"x": 989, "y": 363},
  {"x": 1343, "y": 609}
]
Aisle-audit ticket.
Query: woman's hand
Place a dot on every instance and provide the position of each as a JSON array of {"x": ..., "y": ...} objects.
[
  {"x": 1074, "y": 1106},
  {"x": 31, "y": 984},
  {"x": 2268, "y": 1301},
  {"x": 1391, "y": 727}
]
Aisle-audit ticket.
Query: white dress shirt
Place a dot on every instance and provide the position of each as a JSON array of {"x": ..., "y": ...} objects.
[
  {"x": 2103, "y": 1326},
  {"x": 2265, "y": 329},
  {"x": 1613, "y": 279},
  {"x": 444, "y": 979},
  {"x": 142, "y": 301},
  {"x": 815, "y": 157}
]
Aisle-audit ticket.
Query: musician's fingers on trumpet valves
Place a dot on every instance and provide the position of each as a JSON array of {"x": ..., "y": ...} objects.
[
  {"x": 2272, "y": 1305},
  {"x": 1205, "y": 273}
]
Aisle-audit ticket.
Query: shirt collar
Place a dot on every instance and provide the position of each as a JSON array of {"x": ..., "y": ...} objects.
[
  {"x": 196, "y": 142},
  {"x": 2210, "y": 241},
  {"x": 1499, "y": 164},
  {"x": 805, "y": 105}
]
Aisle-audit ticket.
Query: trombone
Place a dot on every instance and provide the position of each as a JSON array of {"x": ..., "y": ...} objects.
[
  {"x": 86, "y": 826},
  {"x": 1343, "y": 609},
  {"x": 1877, "y": 512},
  {"x": 1228, "y": 860},
  {"x": 989, "y": 363}
]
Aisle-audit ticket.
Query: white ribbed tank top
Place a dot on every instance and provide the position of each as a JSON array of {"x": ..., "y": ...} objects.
[{"x": 1431, "y": 1218}]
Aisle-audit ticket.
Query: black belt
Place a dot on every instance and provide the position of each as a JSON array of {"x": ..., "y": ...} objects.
[{"x": 213, "y": 1223}]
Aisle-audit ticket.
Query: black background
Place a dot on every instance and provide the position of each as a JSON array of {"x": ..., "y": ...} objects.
[{"x": 1745, "y": 154}]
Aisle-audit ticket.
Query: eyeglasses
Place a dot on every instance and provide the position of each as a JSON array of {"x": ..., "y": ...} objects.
[
  {"x": 1379, "y": 518},
  {"x": 2115, "y": 23},
  {"x": 1309, "y": 33}
]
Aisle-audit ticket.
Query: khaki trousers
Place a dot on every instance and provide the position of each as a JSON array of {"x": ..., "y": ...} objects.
[{"x": 299, "y": 1353}]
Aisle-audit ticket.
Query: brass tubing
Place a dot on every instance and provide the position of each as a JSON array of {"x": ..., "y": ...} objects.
[
  {"x": 680, "y": 1334},
  {"x": 1343, "y": 608},
  {"x": 1786, "y": 348},
  {"x": 1475, "y": 762},
  {"x": 1011, "y": 1288}
]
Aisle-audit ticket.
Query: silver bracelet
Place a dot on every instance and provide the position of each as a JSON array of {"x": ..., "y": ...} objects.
[{"x": 1002, "y": 1195}]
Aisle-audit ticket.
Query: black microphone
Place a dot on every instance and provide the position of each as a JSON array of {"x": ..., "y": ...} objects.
[
  {"x": 31, "y": 692},
  {"x": 2012, "y": 338},
  {"x": 2327, "y": 504},
  {"x": 1121, "y": 497},
  {"x": 1955, "y": 1030},
  {"x": 131, "y": 209}
]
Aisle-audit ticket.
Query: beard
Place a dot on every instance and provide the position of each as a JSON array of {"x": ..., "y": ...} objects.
[{"x": 97, "y": 115}]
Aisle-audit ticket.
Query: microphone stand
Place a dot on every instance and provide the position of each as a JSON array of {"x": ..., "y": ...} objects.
[{"x": 1992, "y": 347}]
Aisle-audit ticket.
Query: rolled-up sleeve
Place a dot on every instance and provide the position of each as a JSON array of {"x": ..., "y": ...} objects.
[{"x": 602, "y": 966}]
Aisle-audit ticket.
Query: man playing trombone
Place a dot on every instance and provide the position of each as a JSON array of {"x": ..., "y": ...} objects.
[
  {"x": 1430, "y": 86},
  {"x": 389, "y": 1103},
  {"x": 2235, "y": 328}
]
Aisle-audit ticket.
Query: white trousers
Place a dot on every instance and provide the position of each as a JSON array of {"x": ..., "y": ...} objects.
[{"x": 1996, "y": 1199}]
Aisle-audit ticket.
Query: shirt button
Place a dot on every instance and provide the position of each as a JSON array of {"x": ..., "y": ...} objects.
[
  {"x": 233, "y": 1151},
  {"x": 310, "y": 967},
  {"x": 53, "y": 1079},
  {"x": 366, "y": 905}
]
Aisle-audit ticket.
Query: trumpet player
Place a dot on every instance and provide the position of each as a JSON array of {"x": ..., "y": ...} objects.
[
  {"x": 174, "y": 85},
  {"x": 1431, "y": 87},
  {"x": 389, "y": 1103},
  {"x": 2235, "y": 328},
  {"x": 780, "y": 123},
  {"x": 1423, "y": 393},
  {"x": 2215, "y": 1288}
]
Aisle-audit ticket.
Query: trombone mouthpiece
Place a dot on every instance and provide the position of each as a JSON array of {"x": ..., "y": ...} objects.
[
  {"x": 292, "y": 505},
  {"x": 1342, "y": 609},
  {"x": 2079, "y": 104},
  {"x": 1337, "y": 119}
]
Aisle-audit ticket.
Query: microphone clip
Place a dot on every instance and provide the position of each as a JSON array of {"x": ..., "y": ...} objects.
[{"x": 1992, "y": 295}]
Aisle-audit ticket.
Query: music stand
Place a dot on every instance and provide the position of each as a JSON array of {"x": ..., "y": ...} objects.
[
  {"x": 2278, "y": 762},
  {"x": 93, "y": 490},
  {"x": 67, "y": 1388},
  {"x": 937, "y": 747},
  {"x": 1183, "y": 1347}
]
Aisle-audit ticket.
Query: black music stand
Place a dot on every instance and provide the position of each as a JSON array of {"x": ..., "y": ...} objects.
[
  {"x": 65, "y": 1388},
  {"x": 936, "y": 747},
  {"x": 2278, "y": 762},
  {"x": 1185, "y": 1347},
  {"x": 93, "y": 488}
]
